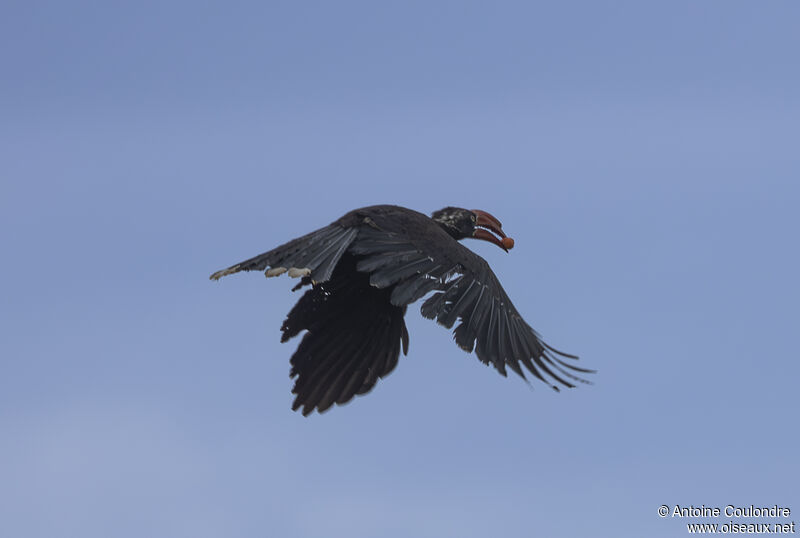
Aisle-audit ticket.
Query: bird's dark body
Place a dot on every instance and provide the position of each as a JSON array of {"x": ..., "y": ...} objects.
[{"x": 364, "y": 269}]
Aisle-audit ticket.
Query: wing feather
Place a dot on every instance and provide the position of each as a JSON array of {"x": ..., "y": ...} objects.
[
  {"x": 465, "y": 290},
  {"x": 319, "y": 252}
]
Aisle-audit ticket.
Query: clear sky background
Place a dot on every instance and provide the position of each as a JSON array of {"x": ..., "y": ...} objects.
[{"x": 643, "y": 155}]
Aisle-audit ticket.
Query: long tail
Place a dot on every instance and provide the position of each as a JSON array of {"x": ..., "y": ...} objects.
[{"x": 353, "y": 339}]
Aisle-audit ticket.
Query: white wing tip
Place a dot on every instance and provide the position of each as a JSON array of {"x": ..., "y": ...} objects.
[{"x": 295, "y": 272}]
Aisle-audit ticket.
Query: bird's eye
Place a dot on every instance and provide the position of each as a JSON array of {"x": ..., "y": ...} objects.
[{"x": 473, "y": 218}]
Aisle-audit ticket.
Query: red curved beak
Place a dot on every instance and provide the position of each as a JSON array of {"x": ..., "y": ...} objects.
[{"x": 489, "y": 222}]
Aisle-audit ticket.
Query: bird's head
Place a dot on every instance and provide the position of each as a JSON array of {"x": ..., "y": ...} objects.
[{"x": 463, "y": 223}]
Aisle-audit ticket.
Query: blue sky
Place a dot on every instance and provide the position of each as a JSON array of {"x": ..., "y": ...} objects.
[{"x": 644, "y": 157}]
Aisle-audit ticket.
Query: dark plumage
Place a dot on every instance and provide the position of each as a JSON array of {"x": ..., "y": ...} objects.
[{"x": 364, "y": 270}]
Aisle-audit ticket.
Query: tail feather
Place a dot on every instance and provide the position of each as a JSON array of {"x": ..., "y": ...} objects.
[{"x": 354, "y": 336}]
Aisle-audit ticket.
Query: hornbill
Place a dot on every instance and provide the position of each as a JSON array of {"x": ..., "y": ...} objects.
[{"x": 365, "y": 268}]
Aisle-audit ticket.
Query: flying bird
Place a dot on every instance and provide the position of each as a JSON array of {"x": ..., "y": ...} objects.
[{"x": 365, "y": 268}]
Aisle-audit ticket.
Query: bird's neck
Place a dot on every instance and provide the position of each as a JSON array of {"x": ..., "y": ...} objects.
[{"x": 448, "y": 226}]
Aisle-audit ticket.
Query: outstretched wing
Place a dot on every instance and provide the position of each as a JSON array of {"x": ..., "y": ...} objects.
[
  {"x": 314, "y": 255},
  {"x": 467, "y": 292}
]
